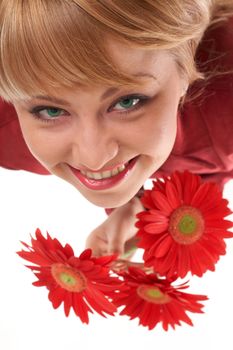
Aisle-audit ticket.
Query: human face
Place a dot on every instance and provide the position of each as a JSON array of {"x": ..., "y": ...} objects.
[{"x": 130, "y": 129}]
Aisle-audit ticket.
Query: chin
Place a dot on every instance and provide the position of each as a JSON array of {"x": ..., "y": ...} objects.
[{"x": 108, "y": 202}]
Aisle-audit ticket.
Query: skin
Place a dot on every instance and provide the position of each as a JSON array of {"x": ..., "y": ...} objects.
[{"x": 94, "y": 135}]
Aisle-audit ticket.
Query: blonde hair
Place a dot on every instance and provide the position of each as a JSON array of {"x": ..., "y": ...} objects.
[{"x": 61, "y": 43}]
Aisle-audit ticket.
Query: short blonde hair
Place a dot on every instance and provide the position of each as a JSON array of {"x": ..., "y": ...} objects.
[{"x": 61, "y": 43}]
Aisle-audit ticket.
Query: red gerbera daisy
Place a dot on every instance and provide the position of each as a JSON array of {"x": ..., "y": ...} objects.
[
  {"x": 155, "y": 300},
  {"x": 82, "y": 282},
  {"x": 184, "y": 227}
]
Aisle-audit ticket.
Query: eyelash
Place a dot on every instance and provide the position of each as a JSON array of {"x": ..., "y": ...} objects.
[{"x": 142, "y": 101}]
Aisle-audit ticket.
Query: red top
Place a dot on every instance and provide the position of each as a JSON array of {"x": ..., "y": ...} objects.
[{"x": 204, "y": 142}]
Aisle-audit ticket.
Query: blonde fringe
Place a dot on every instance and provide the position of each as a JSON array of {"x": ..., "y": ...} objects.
[{"x": 74, "y": 56}]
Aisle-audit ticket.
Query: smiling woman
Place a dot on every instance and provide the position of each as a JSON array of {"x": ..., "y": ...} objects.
[
  {"x": 97, "y": 135},
  {"x": 99, "y": 89}
]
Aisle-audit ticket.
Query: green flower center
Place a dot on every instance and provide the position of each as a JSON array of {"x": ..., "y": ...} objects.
[
  {"x": 152, "y": 294},
  {"x": 186, "y": 225},
  {"x": 68, "y": 278}
]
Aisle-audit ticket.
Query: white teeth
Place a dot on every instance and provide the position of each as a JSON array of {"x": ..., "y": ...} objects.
[
  {"x": 105, "y": 174},
  {"x": 97, "y": 176},
  {"x": 115, "y": 172},
  {"x": 121, "y": 168}
]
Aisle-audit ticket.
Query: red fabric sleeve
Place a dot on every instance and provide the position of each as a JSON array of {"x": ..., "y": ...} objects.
[
  {"x": 14, "y": 153},
  {"x": 204, "y": 142}
]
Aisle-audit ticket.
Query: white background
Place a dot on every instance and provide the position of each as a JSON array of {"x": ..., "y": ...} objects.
[{"x": 27, "y": 319}]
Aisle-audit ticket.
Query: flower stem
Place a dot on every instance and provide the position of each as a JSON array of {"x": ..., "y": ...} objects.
[{"x": 121, "y": 265}]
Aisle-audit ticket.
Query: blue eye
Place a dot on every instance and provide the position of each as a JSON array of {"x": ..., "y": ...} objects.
[
  {"x": 125, "y": 105},
  {"x": 47, "y": 114},
  {"x": 129, "y": 103},
  {"x": 53, "y": 112}
]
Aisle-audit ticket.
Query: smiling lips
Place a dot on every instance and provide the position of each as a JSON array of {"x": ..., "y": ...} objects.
[
  {"x": 105, "y": 174},
  {"x": 106, "y": 179}
]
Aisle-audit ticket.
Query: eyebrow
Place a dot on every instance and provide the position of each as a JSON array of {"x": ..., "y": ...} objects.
[
  {"x": 109, "y": 92},
  {"x": 52, "y": 99}
]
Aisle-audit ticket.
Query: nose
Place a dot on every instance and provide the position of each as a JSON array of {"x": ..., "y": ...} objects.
[{"x": 94, "y": 146}]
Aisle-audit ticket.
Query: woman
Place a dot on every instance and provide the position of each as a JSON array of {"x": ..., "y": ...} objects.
[{"x": 97, "y": 91}]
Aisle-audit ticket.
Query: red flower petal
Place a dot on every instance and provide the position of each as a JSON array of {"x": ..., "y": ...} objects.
[
  {"x": 81, "y": 309},
  {"x": 86, "y": 254},
  {"x": 172, "y": 195},
  {"x": 93, "y": 296},
  {"x": 68, "y": 302},
  {"x": 56, "y": 296},
  {"x": 70, "y": 279},
  {"x": 198, "y": 218},
  {"x": 165, "y": 245},
  {"x": 161, "y": 202},
  {"x": 153, "y": 304},
  {"x": 156, "y": 228}
]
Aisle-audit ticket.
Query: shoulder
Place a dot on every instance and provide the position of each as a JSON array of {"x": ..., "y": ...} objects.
[
  {"x": 7, "y": 113},
  {"x": 14, "y": 153},
  {"x": 208, "y": 117}
]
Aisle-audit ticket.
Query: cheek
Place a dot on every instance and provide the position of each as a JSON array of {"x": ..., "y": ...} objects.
[
  {"x": 47, "y": 147},
  {"x": 163, "y": 126},
  {"x": 50, "y": 150},
  {"x": 158, "y": 130},
  {"x": 160, "y": 140}
]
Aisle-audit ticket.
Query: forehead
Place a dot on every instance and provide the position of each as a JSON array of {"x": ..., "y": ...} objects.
[
  {"x": 150, "y": 66},
  {"x": 131, "y": 60}
]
